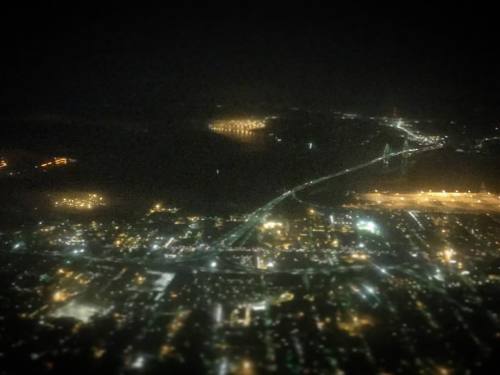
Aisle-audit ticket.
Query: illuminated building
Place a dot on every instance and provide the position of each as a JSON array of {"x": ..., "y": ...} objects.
[
  {"x": 157, "y": 208},
  {"x": 271, "y": 225},
  {"x": 241, "y": 127},
  {"x": 76, "y": 310},
  {"x": 160, "y": 208},
  {"x": 429, "y": 201},
  {"x": 354, "y": 324},
  {"x": 85, "y": 201},
  {"x": 61, "y": 296},
  {"x": 368, "y": 226}
]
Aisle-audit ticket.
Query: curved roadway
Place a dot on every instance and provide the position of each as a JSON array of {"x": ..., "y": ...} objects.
[{"x": 256, "y": 217}]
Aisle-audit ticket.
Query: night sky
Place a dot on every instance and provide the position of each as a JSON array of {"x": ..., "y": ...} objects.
[{"x": 139, "y": 65}]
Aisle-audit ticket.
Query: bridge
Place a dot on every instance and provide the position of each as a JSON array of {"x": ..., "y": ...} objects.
[{"x": 255, "y": 218}]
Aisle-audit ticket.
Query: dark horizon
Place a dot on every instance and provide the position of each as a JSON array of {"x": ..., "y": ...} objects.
[{"x": 141, "y": 64}]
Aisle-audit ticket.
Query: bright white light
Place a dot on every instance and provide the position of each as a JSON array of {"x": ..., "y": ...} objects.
[
  {"x": 439, "y": 276},
  {"x": 213, "y": 264},
  {"x": 369, "y": 289},
  {"x": 272, "y": 224},
  {"x": 164, "y": 279},
  {"x": 368, "y": 226},
  {"x": 218, "y": 313},
  {"x": 223, "y": 367},
  {"x": 259, "y": 306},
  {"x": 139, "y": 362},
  {"x": 78, "y": 311},
  {"x": 382, "y": 269},
  {"x": 169, "y": 242}
]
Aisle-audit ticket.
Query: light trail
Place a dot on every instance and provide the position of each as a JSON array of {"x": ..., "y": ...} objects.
[
  {"x": 256, "y": 217},
  {"x": 429, "y": 202},
  {"x": 481, "y": 143},
  {"x": 414, "y": 217}
]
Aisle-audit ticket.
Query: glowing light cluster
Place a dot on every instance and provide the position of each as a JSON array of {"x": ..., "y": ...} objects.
[
  {"x": 76, "y": 310},
  {"x": 272, "y": 225},
  {"x": 359, "y": 256},
  {"x": 368, "y": 226},
  {"x": 3, "y": 163},
  {"x": 430, "y": 201},
  {"x": 237, "y": 126},
  {"x": 61, "y": 296},
  {"x": 414, "y": 135},
  {"x": 354, "y": 325},
  {"x": 159, "y": 207},
  {"x": 447, "y": 255},
  {"x": 56, "y": 162},
  {"x": 86, "y": 201}
]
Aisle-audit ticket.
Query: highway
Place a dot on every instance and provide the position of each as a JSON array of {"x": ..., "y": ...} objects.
[
  {"x": 413, "y": 136},
  {"x": 256, "y": 217},
  {"x": 486, "y": 140}
]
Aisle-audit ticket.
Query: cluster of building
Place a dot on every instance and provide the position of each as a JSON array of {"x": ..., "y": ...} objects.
[
  {"x": 317, "y": 291},
  {"x": 290, "y": 313},
  {"x": 55, "y": 162},
  {"x": 442, "y": 201},
  {"x": 3, "y": 163},
  {"x": 243, "y": 126},
  {"x": 388, "y": 283},
  {"x": 80, "y": 201},
  {"x": 18, "y": 167}
]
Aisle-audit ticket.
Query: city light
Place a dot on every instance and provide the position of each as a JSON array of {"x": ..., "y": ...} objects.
[
  {"x": 447, "y": 255},
  {"x": 159, "y": 208},
  {"x": 201, "y": 194},
  {"x": 368, "y": 226},
  {"x": 76, "y": 310},
  {"x": 272, "y": 225},
  {"x": 429, "y": 201},
  {"x": 240, "y": 127},
  {"x": 82, "y": 201},
  {"x": 61, "y": 296},
  {"x": 415, "y": 135},
  {"x": 56, "y": 162},
  {"x": 354, "y": 325}
]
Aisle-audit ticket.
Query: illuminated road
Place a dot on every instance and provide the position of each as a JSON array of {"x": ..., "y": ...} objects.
[
  {"x": 412, "y": 135},
  {"x": 256, "y": 217},
  {"x": 481, "y": 143}
]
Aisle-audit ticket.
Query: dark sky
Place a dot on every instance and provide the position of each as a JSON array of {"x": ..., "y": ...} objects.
[{"x": 140, "y": 63}]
